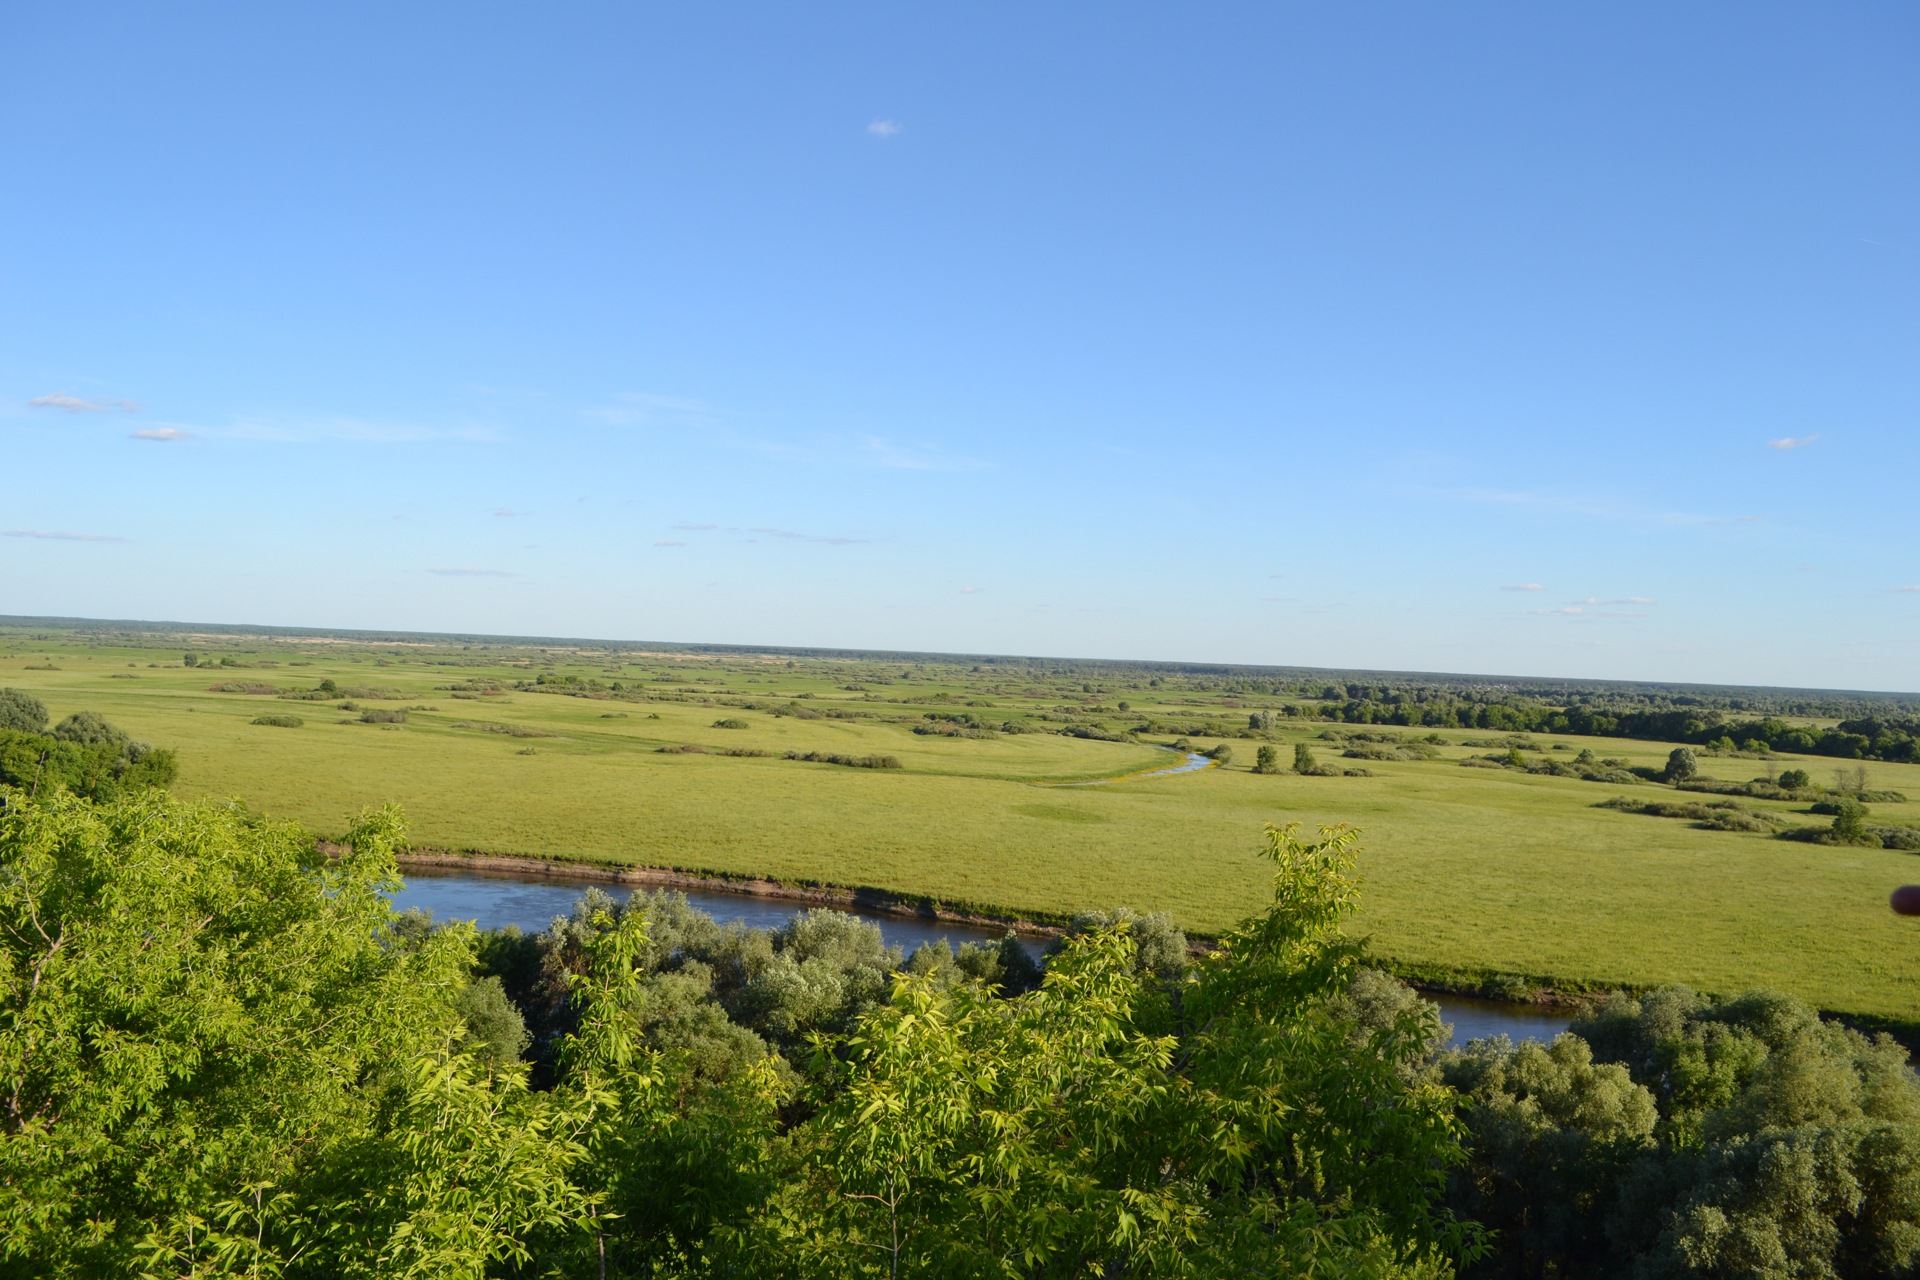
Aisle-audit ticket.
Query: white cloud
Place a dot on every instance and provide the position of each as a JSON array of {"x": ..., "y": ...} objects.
[
  {"x": 59, "y": 537},
  {"x": 809, "y": 537},
  {"x": 669, "y": 542},
  {"x": 159, "y": 433},
  {"x": 345, "y": 430},
  {"x": 697, "y": 528},
  {"x": 970, "y": 591},
  {"x": 1793, "y": 442},
  {"x": 637, "y": 409},
  {"x": 884, "y": 129},
  {"x": 1915, "y": 589},
  {"x": 508, "y": 513},
  {"x": 74, "y": 404},
  {"x": 471, "y": 573},
  {"x": 1523, "y": 586},
  {"x": 880, "y": 452}
]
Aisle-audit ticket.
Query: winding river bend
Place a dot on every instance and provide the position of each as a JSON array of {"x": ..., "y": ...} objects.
[{"x": 497, "y": 900}]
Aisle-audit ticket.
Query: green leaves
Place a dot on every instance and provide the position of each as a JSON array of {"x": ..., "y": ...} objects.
[{"x": 221, "y": 1054}]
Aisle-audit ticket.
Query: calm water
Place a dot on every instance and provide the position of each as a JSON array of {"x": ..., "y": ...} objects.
[
  {"x": 1192, "y": 764},
  {"x": 493, "y": 902}
]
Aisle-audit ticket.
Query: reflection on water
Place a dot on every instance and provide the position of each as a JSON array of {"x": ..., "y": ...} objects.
[
  {"x": 1476, "y": 1019},
  {"x": 493, "y": 902}
]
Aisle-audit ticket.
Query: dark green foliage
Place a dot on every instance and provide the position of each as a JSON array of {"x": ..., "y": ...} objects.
[
  {"x": 1219, "y": 753},
  {"x": 377, "y": 716},
  {"x": 852, "y": 762},
  {"x": 1397, "y": 750},
  {"x": 1160, "y": 949},
  {"x": 1267, "y": 759},
  {"x": 41, "y": 763},
  {"x": 1673, "y": 1137},
  {"x": 1379, "y": 1003},
  {"x": 1681, "y": 765},
  {"x": 1794, "y": 779},
  {"x": 1850, "y": 823},
  {"x": 283, "y": 722},
  {"x": 497, "y": 1034},
  {"x": 227, "y": 1058},
  {"x": 91, "y": 729},
  {"x": 1717, "y": 815},
  {"x": 732, "y": 722},
  {"x": 21, "y": 712},
  {"x": 1303, "y": 761}
]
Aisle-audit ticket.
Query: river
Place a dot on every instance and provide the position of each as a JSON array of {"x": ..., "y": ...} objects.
[{"x": 495, "y": 901}]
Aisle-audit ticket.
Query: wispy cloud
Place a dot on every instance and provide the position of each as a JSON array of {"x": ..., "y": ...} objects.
[
  {"x": 471, "y": 573},
  {"x": 884, "y": 129},
  {"x": 74, "y": 404},
  {"x": 1793, "y": 442},
  {"x": 669, "y": 542},
  {"x": 59, "y": 537},
  {"x": 971, "y": 591},
  {"x": 639, "y": 409},
  {"x": 344, "y": 431},
  {"x": 697, "y": 528},
  {"x": 1558, "y": 504},
  {"x": 1595, "y": 600},
  {"x": 507, "y": 513},
  {"x": 1915, "y": 589},
  {"x": 1523, "y": 586},
  {"x": 809, "y": 537},
  {"x": 159, "y": 433},
  {"x": 880, "y": 452}
]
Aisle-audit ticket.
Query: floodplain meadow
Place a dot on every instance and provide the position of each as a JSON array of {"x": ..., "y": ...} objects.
[{"x": 616, "y": 755}]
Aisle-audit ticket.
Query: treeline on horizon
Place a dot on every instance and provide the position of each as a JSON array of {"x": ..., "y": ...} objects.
[
  {"x": 1117, "y": 674},
  {"x": 1895, "y": 739}
]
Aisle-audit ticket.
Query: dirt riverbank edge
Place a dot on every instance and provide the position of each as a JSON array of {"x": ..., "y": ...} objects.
[
  {"x": 1544, "y": 992},
  {"x": 808, "y": 893}
]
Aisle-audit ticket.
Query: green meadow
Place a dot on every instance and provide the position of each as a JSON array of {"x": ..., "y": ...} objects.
[{"x": 1470, "y": 869}]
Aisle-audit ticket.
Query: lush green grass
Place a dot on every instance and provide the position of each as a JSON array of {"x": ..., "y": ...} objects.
[{"x": 1477, "y": 868}]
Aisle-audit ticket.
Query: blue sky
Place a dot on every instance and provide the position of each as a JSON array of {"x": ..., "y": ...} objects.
[{"x": 1564, "y": 340}]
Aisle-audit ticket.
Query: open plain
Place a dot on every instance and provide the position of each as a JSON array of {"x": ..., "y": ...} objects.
[{"x": 681, "y": 759}]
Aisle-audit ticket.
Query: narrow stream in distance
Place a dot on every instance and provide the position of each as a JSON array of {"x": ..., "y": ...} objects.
[{"x": 496, "y": 901}]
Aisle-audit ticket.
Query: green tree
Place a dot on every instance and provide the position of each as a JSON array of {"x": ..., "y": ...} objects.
[
  {"x": 1681, "y": 765},
  {"x": 22, "y": 712},
  {"x": 1850, "y": 822},
  {"x": 1676, "y": 1138},
  {"x": 219, "y": 1058},
  {"x": 90, "y": 729},
  {"x": 1303, "y": 761},
  {"x": 1795, "y": 779},
  {"x": 1267, "y": 759},
  {"x": 1249, "y": 1127}
]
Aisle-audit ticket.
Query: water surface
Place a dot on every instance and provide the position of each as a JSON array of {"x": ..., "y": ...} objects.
[{"x": 495, "y": 901}]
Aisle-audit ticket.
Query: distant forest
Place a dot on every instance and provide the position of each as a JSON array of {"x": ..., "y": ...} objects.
[{"x": 1867, "y": 725}]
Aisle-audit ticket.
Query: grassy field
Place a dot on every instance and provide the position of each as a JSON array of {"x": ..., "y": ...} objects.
[{"x": 1482, "y": 869}]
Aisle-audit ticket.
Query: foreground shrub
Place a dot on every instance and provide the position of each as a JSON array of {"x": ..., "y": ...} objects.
[
  {"x": 226, "y": 1056},
  {"x": 1673, "y": 1136}
]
